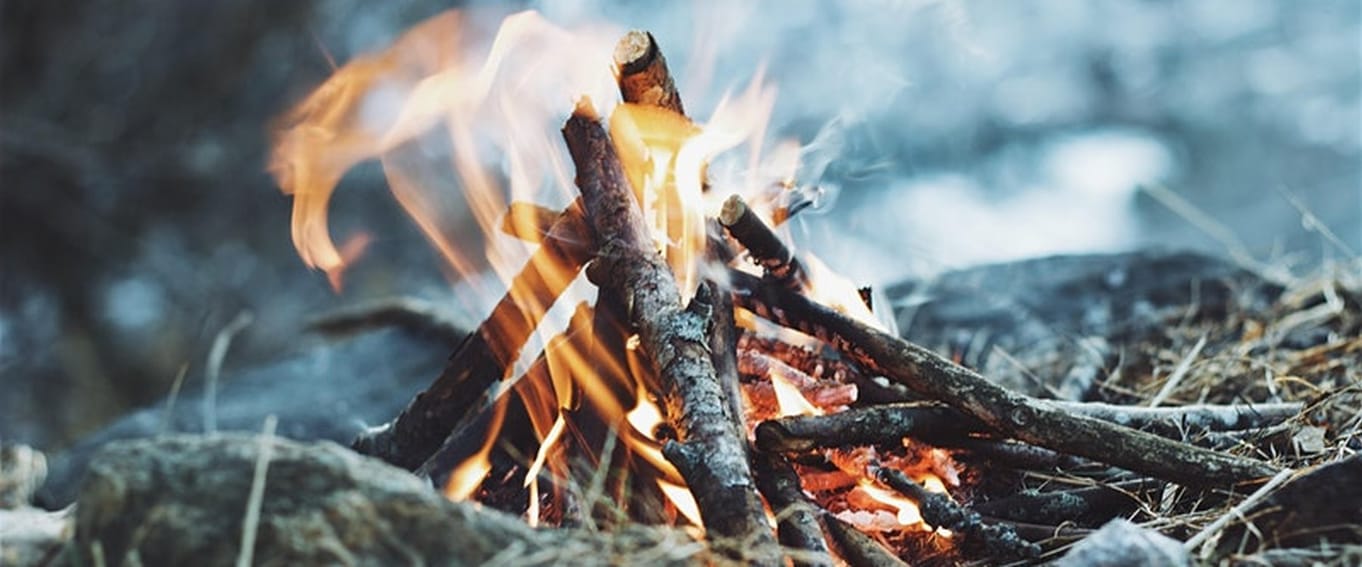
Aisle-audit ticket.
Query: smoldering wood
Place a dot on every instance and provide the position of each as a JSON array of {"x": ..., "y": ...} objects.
[
  {"x": 712, "y": 455},
  {"x": 939, "y": 511},
  {"x": 821, "y": 364},
  {"x": 1021, "y": 417},
  {"x": 763, "y": 244},
  {"x": 856, "y": 548},
  {"x": 863, "y": 426},
  {"x": 1089, "y": 505},
  {"x": 484, "y": 357},
  {"x": 642, "y": 73},
  {"x": 798, "y": 527}
]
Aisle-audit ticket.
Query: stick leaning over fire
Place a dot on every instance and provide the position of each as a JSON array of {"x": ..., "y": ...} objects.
[
  {"x": 484, "y": 357},
  {"x": 1024, "y": 418},
  {"x": 711, "y": 456}
]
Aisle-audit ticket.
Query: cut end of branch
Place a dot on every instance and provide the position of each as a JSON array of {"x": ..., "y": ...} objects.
[
  {"x": 584, "y": 108},
  {"x": 733, "y": 209},
  {"x": 635, "y": 51}
]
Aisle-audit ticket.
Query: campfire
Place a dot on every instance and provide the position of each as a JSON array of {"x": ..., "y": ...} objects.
[{"x": 656, "y": 350}]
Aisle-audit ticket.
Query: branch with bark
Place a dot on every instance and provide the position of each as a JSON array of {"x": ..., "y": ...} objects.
[
  {"x": 485, "y": 356},
  {"x": 710, "y": 455}
]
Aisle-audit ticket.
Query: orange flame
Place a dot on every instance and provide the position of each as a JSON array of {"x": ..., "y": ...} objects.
[{"x": 463, "y": 132}]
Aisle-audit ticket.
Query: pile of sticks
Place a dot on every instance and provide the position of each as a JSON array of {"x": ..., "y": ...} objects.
[{"x": 693, "y": 354}]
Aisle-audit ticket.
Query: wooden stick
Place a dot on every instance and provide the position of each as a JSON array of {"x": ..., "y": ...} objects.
[
  {"x": 857, "y": 548},
  {"x": 939, "y": 511},
  {"x": 485, "y": 356},
  {"x": 796, "y": 516},
  {"x": 711, "y": 456},
  {"x": 642, "y": 73},
  {"x": 1024, "y": 418},
  {"x": 864, "y": 426},
  {"x": 762, "y": 243},
  {"x": 889, "y": 423},
  {"x": 1093, "y": 505}
]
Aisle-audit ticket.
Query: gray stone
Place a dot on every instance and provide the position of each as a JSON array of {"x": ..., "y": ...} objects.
[
  {"x": 22, "y": 471},
  {"x": 1121, "y": 543},
  {"x": 181, "y": 501},
  {"x": 30, "y": 536}
]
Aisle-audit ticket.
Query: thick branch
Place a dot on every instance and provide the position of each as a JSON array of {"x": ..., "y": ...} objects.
[
  {"x": 1027, "y": 419},
  {"x": 711, "y": 456},
  {"x": 485, "y": 356}
]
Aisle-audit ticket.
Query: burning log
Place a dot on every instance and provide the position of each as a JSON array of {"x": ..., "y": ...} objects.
[
  {"x": 485, "y": 356},
  {"x": 1027, "y": 419},
  {"x": 711, "y": 454},
  {"x": 762, "y": 243}
]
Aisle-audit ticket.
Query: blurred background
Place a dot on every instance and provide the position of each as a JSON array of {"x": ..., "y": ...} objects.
[{"x": 137, "y": 219}]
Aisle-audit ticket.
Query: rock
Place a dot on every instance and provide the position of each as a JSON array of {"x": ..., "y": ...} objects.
[
  {"x": 30, "y": 536},
  {"x": 180, "y": 501},
  {"x": 1121, "y": 543},
  {"x": 1063, "y": 317},
  {"x": 22, "y": 471},
  {"x": 330, "y": 392}
]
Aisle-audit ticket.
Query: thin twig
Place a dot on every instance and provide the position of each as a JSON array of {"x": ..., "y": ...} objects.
[
  {"x": 171, "y": 398},
  {"x": 216, "y": 354},
  {"x": 250, "y": 523},
  {"x": 1178, "y": 373},
  {"x": 1204, "y": 536}
]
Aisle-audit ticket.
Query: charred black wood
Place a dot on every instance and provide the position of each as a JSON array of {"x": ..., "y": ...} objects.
[
  {"x": 864, "y": 426},
  {"x": 939, "y": 511},
  {"x": 1088, "y": 506},
  {"x": 763, "y": 245}
]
